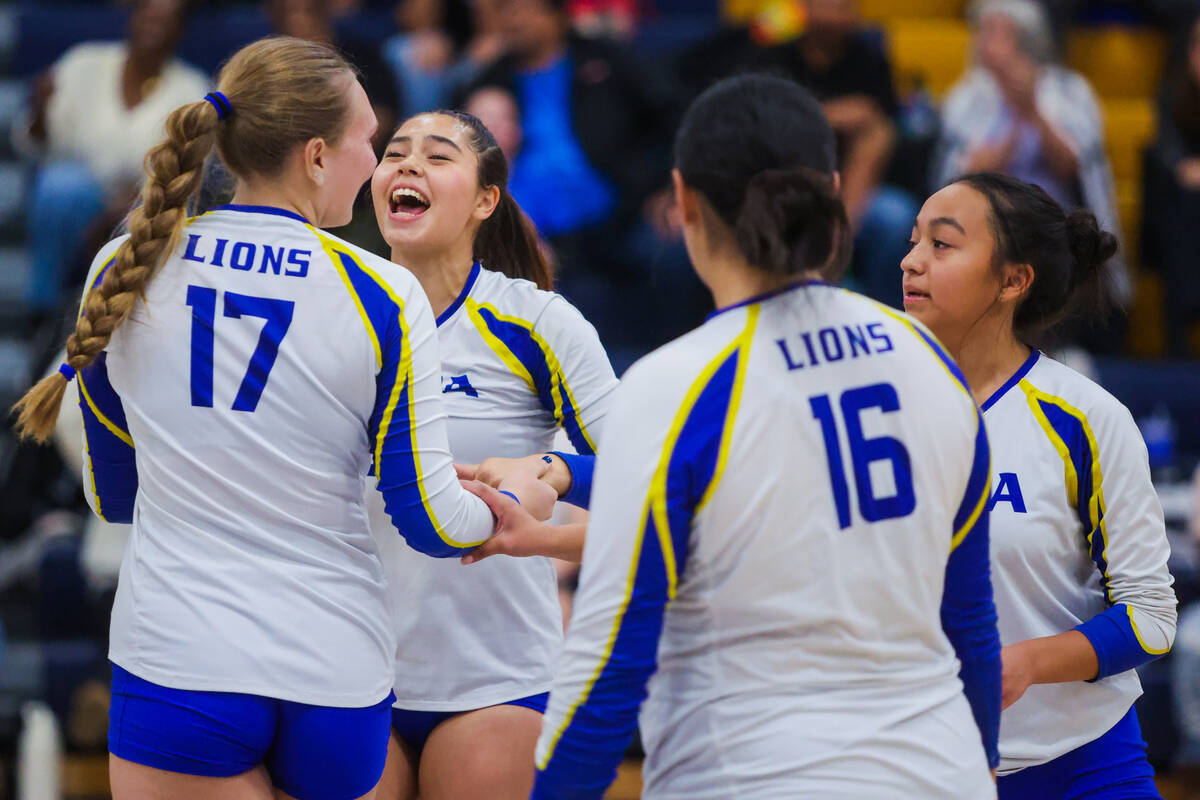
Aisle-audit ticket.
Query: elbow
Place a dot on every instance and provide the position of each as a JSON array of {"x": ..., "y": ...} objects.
[{"x": 432, "y": 544}]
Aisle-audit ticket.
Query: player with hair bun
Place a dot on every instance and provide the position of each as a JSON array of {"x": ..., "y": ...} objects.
[
  {"x": 1079, "y": 549},
  {"x": 788, "y": 544},
  {"x": 239, "y": 374}
]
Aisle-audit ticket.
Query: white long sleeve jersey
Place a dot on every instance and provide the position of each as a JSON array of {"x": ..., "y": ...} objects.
[
  {"x": 518, "y": 363},
  {"x": 1077, "y": 542},
  {"x": 269, "y": 368},
  {"x": 789, "y": 481}
]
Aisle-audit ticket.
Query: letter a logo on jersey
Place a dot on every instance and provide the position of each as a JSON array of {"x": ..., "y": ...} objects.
[
  {"x": 459, "y": 383},
  {"x": 1008, "y": 490}
]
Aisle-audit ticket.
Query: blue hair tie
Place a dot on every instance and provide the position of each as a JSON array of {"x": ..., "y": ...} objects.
[
  {"x": 67, "y": 371},
  {"x": 221, "y": 103},
  {"x": 510, "y": 494}
]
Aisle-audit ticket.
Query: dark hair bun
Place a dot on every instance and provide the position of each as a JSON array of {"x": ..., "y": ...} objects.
[
  {"x": 792, "y": 221},
  {"x": 1091, "y": 247}
]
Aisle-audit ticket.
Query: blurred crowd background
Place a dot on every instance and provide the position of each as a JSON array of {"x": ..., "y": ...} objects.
[{"x": 1098, "y": 101}]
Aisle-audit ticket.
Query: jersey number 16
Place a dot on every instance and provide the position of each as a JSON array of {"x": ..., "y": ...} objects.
[
  {"x": 278, "y": 316},
  {"x": 863, "y": 453}
]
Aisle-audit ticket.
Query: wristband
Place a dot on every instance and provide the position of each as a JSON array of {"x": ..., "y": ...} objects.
[{"x": 510, "y": 494}]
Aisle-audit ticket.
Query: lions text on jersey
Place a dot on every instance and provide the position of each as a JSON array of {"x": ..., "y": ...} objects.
[
  {"x": 779, "y": 496},
  {"x": 233, "y": 420}
]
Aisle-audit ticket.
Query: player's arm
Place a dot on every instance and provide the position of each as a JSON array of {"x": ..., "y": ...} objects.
[
  {"x": 654, "y": 476},
  {"x": 611, "y": 645},
  {"x": 410, "y": 445},
  {"x": 1128, "y": 543},
  {"x": 586, "y": 383},
  {"x": 110, "y": 479},
  {"x": 518, "y": 534},
  {"x": 1125, "y": 534},
  {"x": 968, "y": 612},
  {"x": 110, "y": 476}
]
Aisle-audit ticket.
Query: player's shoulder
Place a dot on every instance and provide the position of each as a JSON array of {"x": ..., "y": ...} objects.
[
  {"x": 375, "y": 267},
  {"x": 512, "y": 297},
  {"x": 679, "y": 362},
  {"x": 1056, "y": 382}
]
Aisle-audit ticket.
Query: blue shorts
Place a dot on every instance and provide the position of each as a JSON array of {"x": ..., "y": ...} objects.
[
  {"x": 1113, "y": 767},
  {"x": 414, "y": 727},
  {"x": 311, "y": 752}
]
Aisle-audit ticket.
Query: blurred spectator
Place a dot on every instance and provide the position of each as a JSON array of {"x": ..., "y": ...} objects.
[
  {"x": 497, "y": 109},
  {"x": 1171, "y": 234},
  {"x": 591, "y": 172},
  {"x": 591, "y": 118},
  {"x": 1185, "y": 673},
  {"x": 1019, "y": 112},
  {"x": 92, "y": 117},
  {"x": 852, "y": 78},
  {"x": 424, "y": 57},
  {"x": 313, "y": 20}
]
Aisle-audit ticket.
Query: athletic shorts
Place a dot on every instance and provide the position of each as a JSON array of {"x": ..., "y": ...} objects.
[
  {"x": 310, "y": 752},
  {"x": 414, "y": 727},
  {"x": 1113, "y": 767}
]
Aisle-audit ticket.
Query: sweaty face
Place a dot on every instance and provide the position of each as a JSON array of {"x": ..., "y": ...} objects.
[
  {"x": 349, "y": 161},
  {"x": 426, "y": 188},
  {"x": 949, "y": 283}
]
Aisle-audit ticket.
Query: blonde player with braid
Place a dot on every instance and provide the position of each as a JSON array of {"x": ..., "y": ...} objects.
[{"x": 265, "y": 368}]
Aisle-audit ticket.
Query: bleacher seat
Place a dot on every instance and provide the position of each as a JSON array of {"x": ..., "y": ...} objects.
[
  {"x": 933, "y": 52},
  {"x": 1128, "y": 128},
  {"x": 1119, "y": 61}
]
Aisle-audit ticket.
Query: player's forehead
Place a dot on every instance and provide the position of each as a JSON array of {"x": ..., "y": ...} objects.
[
  {"x": 957, "y": 206},
  {"x": 433, "y": 128}
]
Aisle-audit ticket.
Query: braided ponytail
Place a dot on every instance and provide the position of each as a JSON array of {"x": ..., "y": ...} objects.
[
  {"x": 175, "y": 170},
  {"x": 276, "y": 94}
]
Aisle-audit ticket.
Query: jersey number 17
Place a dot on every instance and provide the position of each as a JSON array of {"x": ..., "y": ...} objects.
[{"x": 278, "y": 316}]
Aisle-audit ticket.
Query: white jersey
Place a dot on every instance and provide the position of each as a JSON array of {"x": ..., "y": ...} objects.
[
  {"x": 517, "y": 363},
  {"x": 269, "y": 368},
  {"x": 788, "y": 480},
  {"x": 1077, "y": 536}
]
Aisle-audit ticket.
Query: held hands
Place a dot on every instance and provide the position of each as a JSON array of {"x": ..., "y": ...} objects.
[
  {"x": 518, "y": 532},
  {"x": 494, "y": 471}
]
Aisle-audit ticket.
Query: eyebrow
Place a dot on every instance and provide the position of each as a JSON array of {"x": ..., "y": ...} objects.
[
  {"x": 434, "y": 136},
  {"x": 951, "y": 221}
]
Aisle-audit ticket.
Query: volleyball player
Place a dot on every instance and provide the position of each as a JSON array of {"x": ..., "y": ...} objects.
[
  {"x": 239, "y": 373},
  {"x": 1079, "y": 549},
  {"x": 785, "y": 495},
  {"x": 518, "y": 362}
]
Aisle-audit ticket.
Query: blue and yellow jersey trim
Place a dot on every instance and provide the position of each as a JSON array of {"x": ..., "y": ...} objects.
[
  {"x": 529, "y": 356},
  {"x": 109, "y": 446},
  {"x": 979, "y": 483},
  {"x": 1069, "y": 432},
  {"x": 689, "y": 468},
  {"x": 396, "y": 454}
]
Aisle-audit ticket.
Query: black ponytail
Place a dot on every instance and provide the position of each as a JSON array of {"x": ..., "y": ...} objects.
[
  {"x": 507, "y": 241},
  {"x": 791, "y": 221},
  {"x": 1068, "y": 252},
  {"x": 763, "y": 155}
]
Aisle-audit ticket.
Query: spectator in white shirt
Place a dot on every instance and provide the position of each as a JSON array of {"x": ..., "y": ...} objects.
[{"x": 92, "y": 117}]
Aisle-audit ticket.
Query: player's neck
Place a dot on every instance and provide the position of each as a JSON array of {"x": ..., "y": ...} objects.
[
  {"x": 442, "y": 275},
  {"x": 989, "y": 359},
  {"x": 732, "y": 280},
  {"x": 277, "y": 195}
]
